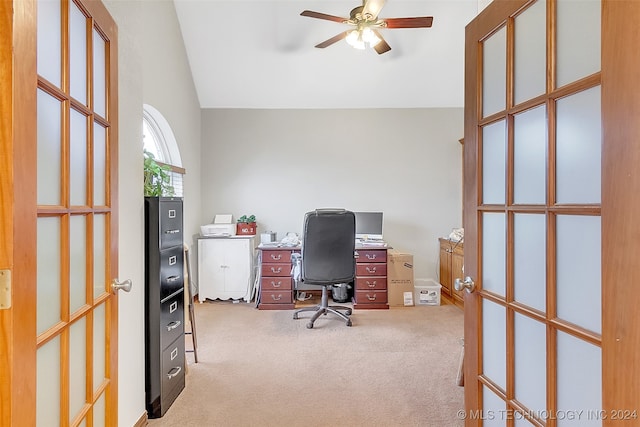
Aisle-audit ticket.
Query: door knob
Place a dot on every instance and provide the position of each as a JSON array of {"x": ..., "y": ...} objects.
[
  {"x": 125, "y": 286},
  {"x": 467, "y": 284}
]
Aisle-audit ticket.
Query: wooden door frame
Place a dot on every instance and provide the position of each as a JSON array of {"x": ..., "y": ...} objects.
[{"x": 620, "y": 67}]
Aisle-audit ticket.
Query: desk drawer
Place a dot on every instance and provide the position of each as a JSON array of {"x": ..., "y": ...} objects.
[
  {"x": 270, "y": 269},
  {"x": 371, "y": 297},
  {"x": 372, "y": 255},
  {"x": 276, "y": 297},
  {"x": 371, "y": 269},
  {"x": 276, "y": 283},
  {"x": 371, "y": 283},
  {"x": 283, "y": 256}
]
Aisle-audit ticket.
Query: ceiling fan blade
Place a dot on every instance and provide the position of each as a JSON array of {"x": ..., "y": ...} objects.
[
  {"x": 372, "y": 7},
  {"x": 382, "y": 46},
  {"x": 416, "y": 22},
  {"x": 312, "y": 14},
  {"x": 333, "y": 40}
]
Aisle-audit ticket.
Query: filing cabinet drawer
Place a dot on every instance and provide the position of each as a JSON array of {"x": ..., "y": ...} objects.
[
  {"x": 371, "y": 269},
  {"x": 171, "y": 271},
  {"x": 276, "y": 297},
  {"x": 276, "y": 283},
  {"x": 371, "y": 283},
  {"x": 172, "y": 370},
  {"x": 276, "y": 269},
  {"x": 170, "y": 223},
  {"x": 371, "y": 297},
  {"x": 282, "y": 256},
  {"x": 171, "y": 319},
  {"x": 371, "y": 256}
]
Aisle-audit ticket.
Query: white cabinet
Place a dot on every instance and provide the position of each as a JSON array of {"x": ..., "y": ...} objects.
[{"x": 225, "y": 267}]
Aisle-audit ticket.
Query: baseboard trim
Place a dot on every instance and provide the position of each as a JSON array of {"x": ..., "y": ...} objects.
[{"x": 142, "y": 421}]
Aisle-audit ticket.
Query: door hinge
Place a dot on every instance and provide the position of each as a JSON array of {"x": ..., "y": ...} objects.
[{"x": 5, "y": 289}]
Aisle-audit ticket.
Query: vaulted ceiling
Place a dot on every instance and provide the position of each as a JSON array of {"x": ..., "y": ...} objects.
[{"x": 261, "y": 54}]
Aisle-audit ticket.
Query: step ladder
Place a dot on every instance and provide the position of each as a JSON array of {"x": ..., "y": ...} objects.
[{"x": 192, "y": 316}]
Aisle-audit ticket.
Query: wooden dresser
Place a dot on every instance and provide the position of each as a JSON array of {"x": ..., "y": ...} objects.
[
  {"x": 451, "y": 267},
  {"x": 276, "y": 283},
  {"x": 371, "y": 279}
]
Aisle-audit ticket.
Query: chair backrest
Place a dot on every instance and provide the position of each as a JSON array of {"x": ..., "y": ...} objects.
[{"x": 328, "y": 246}]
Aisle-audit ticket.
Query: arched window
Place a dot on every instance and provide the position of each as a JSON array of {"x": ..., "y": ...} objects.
[{"x": 158, "y": 139}]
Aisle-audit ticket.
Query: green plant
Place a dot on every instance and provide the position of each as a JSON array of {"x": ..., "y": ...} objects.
[
  {"x": 244, "y": 219},
  {"x": 157, "y": 179}
]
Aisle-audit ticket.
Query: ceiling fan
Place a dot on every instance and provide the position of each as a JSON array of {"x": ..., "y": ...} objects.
[{"x": 366, "y": 22}]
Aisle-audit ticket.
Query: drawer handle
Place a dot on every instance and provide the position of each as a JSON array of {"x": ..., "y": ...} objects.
[
  {"x": 172, "y": 213},
  {"x": 371, "y": 269},
  {"x": 276, "y": 257},
  {"x": 370, "y": 256},
  {"x": 172, "y": 278},
  {"x": 371, "y": 284},
  {"x": 171, "y": 231},
  {"x": 276, "y": 298},
  {"x": 171, "y": 326},
  {"x": 276, "y": 270},
  {"x": 173, "y": 260},
  {"x": 276, "y": 284},
  {"x": 370, "y": 298},
  {"x": 174, "y": 372},
  {"x": 173, "y": 307}
]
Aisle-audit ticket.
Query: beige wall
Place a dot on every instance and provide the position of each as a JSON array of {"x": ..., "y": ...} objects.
[
  {"x": 279, "y": 164},
  {"x": 153, "y": 69}
]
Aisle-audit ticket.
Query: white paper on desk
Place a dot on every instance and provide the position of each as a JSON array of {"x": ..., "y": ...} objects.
[{"x": 222, "y": 219}]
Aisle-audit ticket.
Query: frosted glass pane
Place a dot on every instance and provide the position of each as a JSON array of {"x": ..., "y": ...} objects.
[
  {"x": 99, "y": 346},
  {"x": 49, "y": 41},
  {"x": 494, "y": 343},
  {"x": 99, "y": 74},
  {"x": 78, "y": 53},
  {"x": 530, "y": 52},
  {"x": 48, "y": 267},
  {"x": 494, "y": 252},
  {"x": 579, "y": 270},
  {"x": 77, "y": 367},
  {"x": 530, "y": 363},
  {"x": 494, "y": 409},
  {"x": 99, "y": 412},
  {"x": 578, "y": 39},
  {"x": 494, "y": 73},
  {"x": 78, "y": 166},
  {"x": 494, "y": 163},
  {"x": 530, "y": 262},
  {"x": 579, "y": 147},
  {"x": 521, "y": 421},
  {"x": 99, "y": 255},
  {"x": 78, "y": 262},
  {"x": 48, "y": 384},
  {"x": 530, "y": 148},
  {"x": 579, "y": 380},
  {"x": 49, "y": 149},
  {"x": 99, "y": 164}
]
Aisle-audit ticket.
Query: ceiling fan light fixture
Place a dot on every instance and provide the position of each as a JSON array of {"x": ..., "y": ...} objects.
[
  {"x": 354, "y": 38},
  {"x": 362, "y": 38}
]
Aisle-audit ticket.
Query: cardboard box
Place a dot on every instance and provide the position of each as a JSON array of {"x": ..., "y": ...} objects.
[
  {"x": 399, "y": 277},
  {"x": 427, "y": 292}
]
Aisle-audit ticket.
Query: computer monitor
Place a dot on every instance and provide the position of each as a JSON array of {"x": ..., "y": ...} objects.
[{"x": 368, "y": 225}]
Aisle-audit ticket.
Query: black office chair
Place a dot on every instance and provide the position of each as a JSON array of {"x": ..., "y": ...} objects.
[{"x": 328, "y": 247}]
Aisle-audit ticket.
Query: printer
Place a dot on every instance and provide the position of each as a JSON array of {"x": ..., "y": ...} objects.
[{"x": 222, "y": 226}]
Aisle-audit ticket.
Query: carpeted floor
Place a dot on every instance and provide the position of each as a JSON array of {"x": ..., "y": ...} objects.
[{"x": 393, "y": 367}]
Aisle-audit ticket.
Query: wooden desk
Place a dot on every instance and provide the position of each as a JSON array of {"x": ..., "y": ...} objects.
[{"x": 277, "y": 287}]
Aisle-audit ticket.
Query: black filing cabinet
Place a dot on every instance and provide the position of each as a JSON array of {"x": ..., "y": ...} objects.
[{"x": 164, "y": 303}]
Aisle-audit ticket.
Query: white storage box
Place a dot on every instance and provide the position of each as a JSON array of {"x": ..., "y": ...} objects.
[{"x": 426, "y": 292}]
